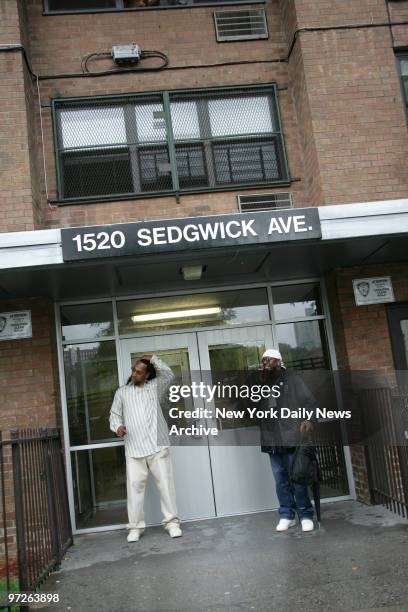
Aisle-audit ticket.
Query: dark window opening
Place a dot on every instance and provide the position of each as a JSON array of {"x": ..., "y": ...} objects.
[
  {"x": 84, "y": 6},
  {"x": 106, "y": 171},
  {"x": 79, "y": 5}
]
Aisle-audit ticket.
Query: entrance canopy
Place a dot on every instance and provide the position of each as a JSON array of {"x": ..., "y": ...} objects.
[{"x": 34, "y": 263}]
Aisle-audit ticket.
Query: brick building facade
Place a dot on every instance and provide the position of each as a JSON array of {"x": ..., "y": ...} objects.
[{"x": 336, "y": 141}]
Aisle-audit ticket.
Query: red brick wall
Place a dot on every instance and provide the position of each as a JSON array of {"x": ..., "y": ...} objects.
[
  {"x": 16, "y": 209},
  {"x": 188, "y": 37},
  {"x": 33, "y": 126},
  {"x": 360, "y": 135},
  {"x": 342, "y": 110},
  {"x": 29, "y": 395},
  {"x": 362, "y": 338},
  {"x": 322, "y": 12},
  {"x": 355, "y": 101},
  {"x": 341, "y": 104},
  {"x": 29, "y": 391},
  {"x": 399, "y": 12},
  {"x": 365, "y": 327},
  {"x": 298, "y": 88}
]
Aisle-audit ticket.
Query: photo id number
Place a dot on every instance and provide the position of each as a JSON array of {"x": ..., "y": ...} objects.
[
  {"x": 100, "y": 241},
  {"x": 26, "y": 597}
]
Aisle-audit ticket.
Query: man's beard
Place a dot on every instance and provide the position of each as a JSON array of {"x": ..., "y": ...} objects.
[{"x": 270, "y": 375}]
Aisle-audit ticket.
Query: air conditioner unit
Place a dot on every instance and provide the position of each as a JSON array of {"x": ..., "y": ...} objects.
[{"x": 265, "y": 201}]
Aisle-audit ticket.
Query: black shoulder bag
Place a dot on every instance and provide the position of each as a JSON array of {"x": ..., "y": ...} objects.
[{"x": 305, "y": 470}]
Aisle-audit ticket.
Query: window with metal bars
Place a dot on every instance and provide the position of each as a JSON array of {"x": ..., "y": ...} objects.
[{"x": 168, "y": 142}]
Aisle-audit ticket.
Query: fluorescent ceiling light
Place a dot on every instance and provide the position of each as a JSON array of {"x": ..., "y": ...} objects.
[
  {"x": 192, "y": 272},
  {"x": 176, "y": 314}
]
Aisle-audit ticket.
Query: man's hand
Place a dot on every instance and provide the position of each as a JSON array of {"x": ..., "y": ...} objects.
[
  {"x": 121, "y": 431},
  {"x": 306, "y": 426}
]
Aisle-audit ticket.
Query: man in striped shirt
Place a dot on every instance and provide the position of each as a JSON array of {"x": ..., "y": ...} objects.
[{"x": 136, "y": 416}]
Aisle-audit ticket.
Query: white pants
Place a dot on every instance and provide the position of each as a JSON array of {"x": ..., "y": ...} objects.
[{"x": 137, "y": 472}]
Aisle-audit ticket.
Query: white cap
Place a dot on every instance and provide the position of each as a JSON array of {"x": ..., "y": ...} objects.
[{"x": 272, "y": 353}]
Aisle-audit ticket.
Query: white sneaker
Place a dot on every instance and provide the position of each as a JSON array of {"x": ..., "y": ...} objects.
[
  {"x": 284, "y": 524},
  {"x": 307, "y": 524},
  {"x": 174, "y": 531},
  {"x": 134, "y": 535}
]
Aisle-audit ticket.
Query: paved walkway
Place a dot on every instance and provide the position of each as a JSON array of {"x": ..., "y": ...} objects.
[{"x": 358, "y": 560}]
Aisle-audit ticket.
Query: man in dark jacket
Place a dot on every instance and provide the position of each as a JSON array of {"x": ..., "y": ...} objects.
[{"x": 279, "y": 437}]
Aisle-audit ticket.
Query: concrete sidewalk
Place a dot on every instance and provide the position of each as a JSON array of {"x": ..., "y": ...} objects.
[{"x": 358, "y": 560}]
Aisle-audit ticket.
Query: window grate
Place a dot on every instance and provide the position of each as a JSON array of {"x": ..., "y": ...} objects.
[
  {"x": 168, "y": 142},
  {"x": 264, "y": 201},
  {"x": 240, "y": 25}
]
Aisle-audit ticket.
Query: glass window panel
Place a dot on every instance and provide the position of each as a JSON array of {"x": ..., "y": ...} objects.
[
  {"x": 246, "y": 115},
  {"x": 86, "y": 321},
  {"x": 91, "y": 127},
  {"x": 191, "y": 165},
  {"x": 99, "y": 482},
  {"x": 404, "y": 67},
  {"x": 303, "y": 345},
  {"x": 405, "y": 84},
  {"x": 91, "y": 379},
  {"x": 178, "y": 312},
  {"x": 404, "y": 330},
  {"x": 184, "y": 118},
  {"x": 150, "y": 122},
  {"x": 230, "y": 365},
  {"x": 291, "y": 301},
  {"x": 155, "y": 172}
]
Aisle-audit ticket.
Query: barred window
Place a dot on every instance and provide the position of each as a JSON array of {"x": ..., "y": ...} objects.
[{"x": 168, "y": 143}]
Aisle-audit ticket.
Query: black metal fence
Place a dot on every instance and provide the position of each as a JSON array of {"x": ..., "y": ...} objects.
[
  {"x": 385, "y": 423},
  {"x": 329, "y": 442},
  {"x": 34, "y": 507}
]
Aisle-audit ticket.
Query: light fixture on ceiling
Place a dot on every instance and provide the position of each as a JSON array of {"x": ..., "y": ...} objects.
[
  {"x": 176, "y": 314},
  {"x": 192, "y": 272}
]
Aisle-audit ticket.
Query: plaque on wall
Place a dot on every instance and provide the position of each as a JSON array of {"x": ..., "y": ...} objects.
[
  {"x": 14, "y": 325},
  {"x": 376, "y": 290}
]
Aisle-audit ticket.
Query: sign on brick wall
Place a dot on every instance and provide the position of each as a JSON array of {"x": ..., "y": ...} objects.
[
  {"x": 14, "y": 325},
  {"x": 190, "y": 233},
  {"x": 377, "y": 290}
]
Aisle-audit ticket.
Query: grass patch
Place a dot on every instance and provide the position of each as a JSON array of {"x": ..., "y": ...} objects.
[{"x": 14, "y": 588}]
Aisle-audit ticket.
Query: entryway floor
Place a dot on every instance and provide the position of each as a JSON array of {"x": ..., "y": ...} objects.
[{"x": 357, "y": 560}]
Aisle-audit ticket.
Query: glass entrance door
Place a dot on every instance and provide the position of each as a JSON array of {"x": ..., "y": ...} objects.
[
  {"x": 218, "y": 476},
  {"x": 242, "y": 477},
  {"x": 191, "y": 461}
]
